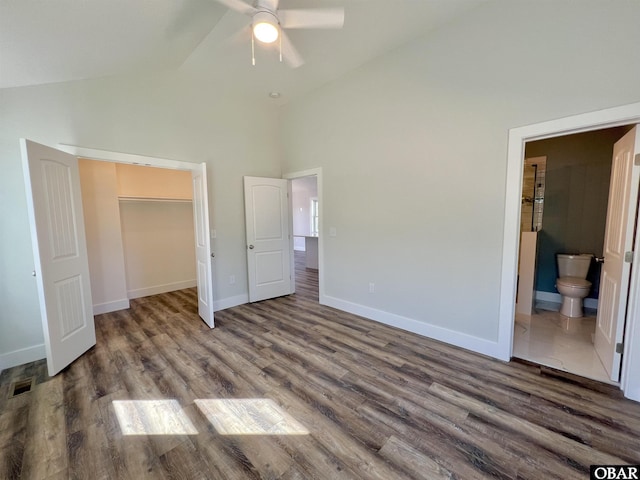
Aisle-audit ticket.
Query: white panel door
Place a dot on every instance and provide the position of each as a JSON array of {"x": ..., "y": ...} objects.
[
  {"x": 60, "y": 252},
  {"x": 203, "y": 245},
  {"x": 269, "y": 246},
  {"x": 619, "y": 232}
]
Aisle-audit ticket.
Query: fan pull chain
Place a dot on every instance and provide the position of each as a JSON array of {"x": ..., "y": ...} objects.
[
  {"x": 280, "y": 39},
  {"x": 253, "y": 51}
]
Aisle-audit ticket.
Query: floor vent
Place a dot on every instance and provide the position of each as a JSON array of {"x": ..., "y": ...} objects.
[{"x": 21, "y": 386}]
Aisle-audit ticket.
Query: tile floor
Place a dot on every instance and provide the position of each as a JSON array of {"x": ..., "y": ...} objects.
[{"x": 556, "y": 341}]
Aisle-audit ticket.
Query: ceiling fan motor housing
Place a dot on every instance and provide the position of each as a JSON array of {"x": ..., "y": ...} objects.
[{"x": 265, "y": 26}]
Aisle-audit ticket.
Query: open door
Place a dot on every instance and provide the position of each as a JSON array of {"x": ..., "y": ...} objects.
[
  {"x": 266, "y": 203},
  {"x": 54, "y": 204},
  {"x": 618, "y": 240},
  {"x": 203, "y": 245}
]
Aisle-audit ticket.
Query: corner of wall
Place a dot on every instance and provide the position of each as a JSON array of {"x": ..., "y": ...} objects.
[
  {"x": 22, "y": 356},
  {"x": 113, "y": 306},
  {"x": 229, "y": 302}
]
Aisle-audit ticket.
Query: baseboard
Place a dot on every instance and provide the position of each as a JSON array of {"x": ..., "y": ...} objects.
[
  {"x": 107, "y": 307},
  {"x": 548, "y": 297},
  {"x": 157, "y": 289},
  {"x": 230, "y": 302},
  {"x": 22, "y": 356},
  {"x": 462, "y": 340},
  {"x": 557, "y": 298}
]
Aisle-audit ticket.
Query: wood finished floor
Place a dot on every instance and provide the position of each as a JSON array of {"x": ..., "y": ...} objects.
[{"x": 377, "y": 402}]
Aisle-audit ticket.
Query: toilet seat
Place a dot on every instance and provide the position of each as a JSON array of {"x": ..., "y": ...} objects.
[{"x": 574, "y": 282}]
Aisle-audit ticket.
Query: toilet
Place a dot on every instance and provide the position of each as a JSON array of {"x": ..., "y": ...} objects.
[{"x": 572, "y": 283}]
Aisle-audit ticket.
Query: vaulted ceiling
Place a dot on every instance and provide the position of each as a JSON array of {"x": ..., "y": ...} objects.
[{"x": 63, "y": 40}]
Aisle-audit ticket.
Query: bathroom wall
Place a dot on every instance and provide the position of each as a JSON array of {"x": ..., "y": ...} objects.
[
  {"x": 533, "y": 183},
  {"x": 576, "y": 196}
]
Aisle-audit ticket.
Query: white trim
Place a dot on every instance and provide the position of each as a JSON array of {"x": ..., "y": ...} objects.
[
  {"x": 630, "y": 374},
  {"x": 157, "y": 289},
  {"x": 317, "y": 172},
  {"x": 624, "y": 115},
  {"x": 557, "y": 298},
  {"x": 117, "y": 157},
  {"x": 22, "y": 356},
  {"x": 100, "y": 308},
  {"x": 229, "y": 302},
  {"x": 462, "y": 340}
]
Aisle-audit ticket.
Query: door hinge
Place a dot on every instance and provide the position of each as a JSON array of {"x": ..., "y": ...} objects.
[
  {"x": 619, "y": 348},
  {"x": 628, "y": 257},
  {"x": 636, "y": 160}
]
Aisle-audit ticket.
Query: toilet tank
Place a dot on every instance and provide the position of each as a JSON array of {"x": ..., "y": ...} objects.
[{"x": 574, "y": 265}]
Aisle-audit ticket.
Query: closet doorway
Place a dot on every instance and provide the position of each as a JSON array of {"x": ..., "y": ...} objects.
[{"x": 143, "y": 188}]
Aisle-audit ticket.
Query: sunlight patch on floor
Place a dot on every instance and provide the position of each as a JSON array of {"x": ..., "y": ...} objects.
[
  {"x": 152, "y": 417},
  {"x": 249, "y": 416}
]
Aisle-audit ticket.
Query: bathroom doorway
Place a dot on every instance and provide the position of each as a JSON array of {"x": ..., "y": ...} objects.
[{"x": 574, "y": 188}]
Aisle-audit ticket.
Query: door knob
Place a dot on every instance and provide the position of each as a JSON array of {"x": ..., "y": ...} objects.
[
  {"x": 251, "y": 247},
  {"x": 213, "y": 255},
  {"x": 33, "y": 274},
  {"x": 599, "y": 259}
]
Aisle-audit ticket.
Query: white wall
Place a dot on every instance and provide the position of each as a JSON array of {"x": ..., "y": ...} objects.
[
  {"x": 165, "y": 115},
  {"x": 104, "y": 240},
  {"x": 413, "y": 151},
  {"x": 159, "y": 246}
]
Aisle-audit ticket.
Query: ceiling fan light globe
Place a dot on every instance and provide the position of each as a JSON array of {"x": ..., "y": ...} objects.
[{"x": 265, "y": 32}]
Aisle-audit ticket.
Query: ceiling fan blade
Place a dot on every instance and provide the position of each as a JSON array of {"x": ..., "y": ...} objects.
[
  {"x": 289, "y": 52},
  {"x": 269, "y": 4},
  {"x": 312, "y": 18},
  {"x": 238, "y": 6},
  {"x": 240, "y": 37}
]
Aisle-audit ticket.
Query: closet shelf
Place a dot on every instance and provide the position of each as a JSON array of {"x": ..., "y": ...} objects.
[{"x": 153, "y": 199}]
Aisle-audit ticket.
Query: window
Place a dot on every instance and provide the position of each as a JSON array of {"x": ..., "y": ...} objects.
[{"x": 314, "y": 216}]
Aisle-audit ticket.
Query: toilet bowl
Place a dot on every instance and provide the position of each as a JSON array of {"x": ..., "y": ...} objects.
[
  {"x": 572, "y": 283},
  {"x": 573, "y": 291}
]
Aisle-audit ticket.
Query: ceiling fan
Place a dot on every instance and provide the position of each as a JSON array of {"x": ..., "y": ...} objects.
[{"x": 268, "y": 24}]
